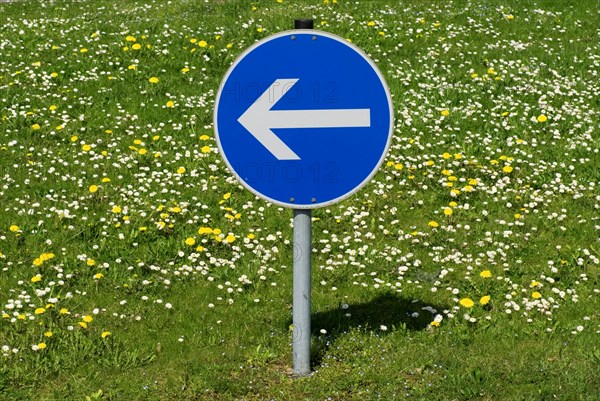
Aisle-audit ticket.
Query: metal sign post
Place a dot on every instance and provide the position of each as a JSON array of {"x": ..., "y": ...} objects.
[
  {"x": 302, "y": 274},
  {"x": 301, "y": 303}
]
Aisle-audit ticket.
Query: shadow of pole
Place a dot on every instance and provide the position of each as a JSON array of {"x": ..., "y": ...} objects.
[{"x": 389, "y": 310}]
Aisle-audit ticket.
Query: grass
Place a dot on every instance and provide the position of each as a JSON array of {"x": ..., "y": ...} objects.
[{"x": 489, "y": 194}]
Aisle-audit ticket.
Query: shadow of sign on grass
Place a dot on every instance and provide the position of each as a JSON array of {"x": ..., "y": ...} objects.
[{"x": 384, "y": 314}]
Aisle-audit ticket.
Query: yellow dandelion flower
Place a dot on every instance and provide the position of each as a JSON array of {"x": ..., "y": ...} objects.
[
  {"x": 93, "y": 188},
  {"x": 185, "y": 70},
  {"x": 48, "y": 334},
  {"x": 136, "y": 46},
  {"x": 433, "y": 224},
  {"x": 116, "y": 209},
  {"x": 41, "y": 345},
  {"x": 88, "y": 319},
  {"x": 507, "y": 169},
  {"x": 227, "y": 195},
  {"x": 14, "y": 228},
  {"x": 39, "y": 311},
  {"x": 435, "y": 324},
  {"x": 64, "y": 311},
  {"x": 90, "y": 262},
  {"x": 142, "y": 151},
  {"x": 130, "y": 38},
  {"x": 448, "y": 211},
  {"x": 371, "y": 23},
  {"x": 536, "y": 295},
  {"x": 484, "y": 300},
  {"x": 83, "y": 325},
  {"x": 181, "y": 170},
  {"x": 98, "y": 276},
  {"x": 205, "y": 230},
  {"x": 230, "y": 238},
  {"x": 190, "y": 241},
  {"x": 542, "y": 118},
  {"x": 204, "y": 137},
  {"x": 105, "y": 180},
  {"x": 445, "y": 113},
  {"x": 485, "y": 274},
  {"x": 105, "y": 334},
  {"x": 154, "y": 80},
  {"x": 202, "y": 43},
  {"x": 83, "y": 50},
  {"x": 86, "y": 148},
  {"x": 170, "y": 103},
  {"x": 37, "y": 278},
  {"x": 467, "y": 302}
]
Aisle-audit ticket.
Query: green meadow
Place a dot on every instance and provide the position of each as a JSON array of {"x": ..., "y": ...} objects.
[{"x": 133, "y": 265}]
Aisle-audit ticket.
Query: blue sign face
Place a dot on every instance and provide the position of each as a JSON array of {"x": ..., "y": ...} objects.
[{"x": 303, "y": 119}]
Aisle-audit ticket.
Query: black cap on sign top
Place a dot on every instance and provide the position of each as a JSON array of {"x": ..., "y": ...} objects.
[{"x": 303, "y": 24}]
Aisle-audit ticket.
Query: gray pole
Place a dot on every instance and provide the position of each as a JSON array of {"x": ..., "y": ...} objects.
[
  {"x": 302, "y": 250},
  {"x": 301, "y": 306}
]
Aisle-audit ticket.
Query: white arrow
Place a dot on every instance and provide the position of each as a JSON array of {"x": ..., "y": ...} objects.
[{"x": 259, "y": 119}]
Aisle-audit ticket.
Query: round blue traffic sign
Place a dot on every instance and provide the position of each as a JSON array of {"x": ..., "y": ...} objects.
[{"x": 303, "y": 119}]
